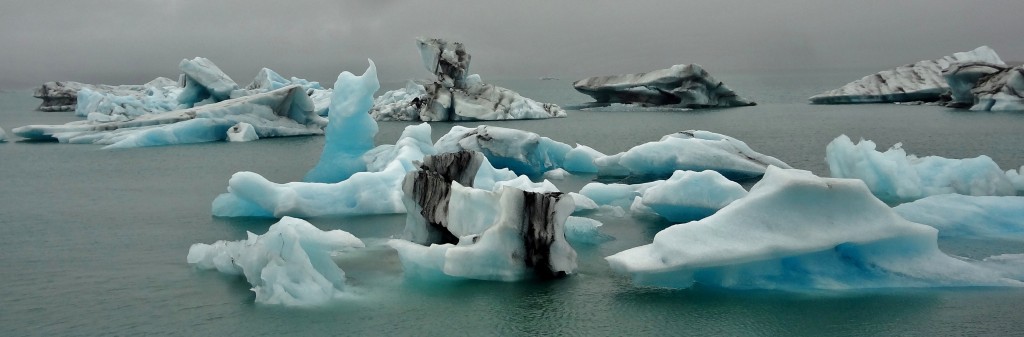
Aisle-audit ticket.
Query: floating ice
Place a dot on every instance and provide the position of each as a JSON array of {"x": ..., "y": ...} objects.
[
  {"x": 620, "y": 195},
  {"x": 3, "y": 135},
  {"x": 798, "y": 231},
  {"x": 242, "y": 132},
  {"x": 201, "y": 75},
  {"x": 956, "y": 215},
  {"x": 521, "y": 151},
  {"x": 350, "y": 130},
  {"x": 963, "y": 77},
  {"x": 921, "y": 81},
  {"x": 556, "y": 174},
  {"x": 581, "y": 159},
  {"x": 289, "y": 265},
  {"x": 454, "y": 94},
  {"x": 894, "y": 175},
  {"x": 690, "y": 195},
  {"x": 1002, "y": 91},
  {"x": 682, "y": 85},
  {"x": 692, "y": 150},
  {"x": 159, "y": 95},
  {"x": 526, "y": 240},
  {"x": 63, "y": 95},
  {"x": 579, "y": 230},
  {"x": 279, "y": 113}
]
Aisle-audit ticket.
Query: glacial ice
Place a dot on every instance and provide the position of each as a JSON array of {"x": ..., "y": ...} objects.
[
  {"x": 921, "y": 81},
  {"x": 963, "y": 77},
  {"x": 525, "y": 241},
  {"x": 523, "y": 152},
  {"x": 895, "y": 176},
  {"x": 63, "y": 95},
  {"x": 682, "y": 85},
  {"x": 159, "y": 95},
  {"x": 581, "y": 159},
  {"x": 693, "y": 150},
  {"x": 956, "y": 215},
  {"x": 242, "y": 132},
  {"x": 350, "y": 130},
  {"x": 206, "y": 78},
  {"x": 289, "y": 265},
  {"x": 3, "y": 135},
  {"x": 580, "y": 230},
  {"x": 690, "y": 195},
  {"x": 1002, "y": 91},
  {"x": 454, "y": 95},
  {"x": 279, "y": 113},
  {"x": 797, "y": 231}
]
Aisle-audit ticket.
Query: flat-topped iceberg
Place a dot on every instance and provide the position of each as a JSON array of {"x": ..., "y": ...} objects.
[
  {"x": 797, "y": 231},
  {"x": 682, "y": 85},
  {"x": 920, "y": 81},
  {"x": 692, "y": 150},
  {"x": 895, "y": 176},
  {"x": 289, "y": 265},
  {"x": 454, "y": 95},
  {"x": 283, "y": 112},
  {"x": 685, "y": 196},
  {"x": 64, "y": 95},
  {"x": 956, "y": 215}
]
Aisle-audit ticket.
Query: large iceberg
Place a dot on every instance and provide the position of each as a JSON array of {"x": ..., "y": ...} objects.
[
  {"x": 1001, "y": 91},
  {"x": 350, "y": 131},
  {"x": 289, "y": 265},
  {"x": 683, "y": 85},
  {"x": 692, "y": 150},
  {"x": 956, "y": 215},
  {"x": 798, "y": 231},
  {"x": 895, "y": 176},
  {"x": 283, "y": 112},
  {"x": 454, "y": 95},
  {"x": 921, "y": 81},
  {"x": 963, "y": 77},
  {"x": 64, "y": 95},
  {"x": 505, "y": 233}
]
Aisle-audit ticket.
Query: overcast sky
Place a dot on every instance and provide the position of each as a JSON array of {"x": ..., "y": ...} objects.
[{"x": 131, "y": 42}]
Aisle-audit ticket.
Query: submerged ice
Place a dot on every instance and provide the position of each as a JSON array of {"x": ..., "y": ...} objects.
[
  {"x": 289, "y": 265},
  {"x": 798, "y": 231}
]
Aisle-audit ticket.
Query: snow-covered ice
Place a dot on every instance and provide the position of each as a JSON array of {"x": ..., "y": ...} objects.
[
  {"x": 289, "y": 265},
  {"x": 350, "y": 130},
  {"x": 956, "y": 215},
  {"x": 682, "y": 85},
  {"x": 798, "y": 231},
  {"x": 895, "y": 176},
  {"x": 920, "y": 81}
]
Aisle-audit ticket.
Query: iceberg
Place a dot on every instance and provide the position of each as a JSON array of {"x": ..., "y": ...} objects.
[
  {"x": 454, "y": 95},
  {"x": 63, "y": 95},
  {"x": 205, "y": 79},
  {"x": 584, "y": 231},
  {"x": 279, "y": 113},
  {"x": 685, "y": 196},
  {"x": 682, "y": 85},
  {"x": 920, "y": 81},
  {"x": 159, "y": 95},
  {"x": 3, "y": 135},
  {"x": 956, "y": 215},
  {"x": 526, "y": 240},
  {"x": 895, "y": 176},
  {"x": 242, "y": 132},
  {"x": 523, "y": 152},
  {"x": 796, "y": 231},
  {"x": 1001, "y": 91},
  {"x": 963, "y": 78},
  {"x": 350, "y": 130},
  {"x": 692, "y": 150},
  {"x": 290, "y": 265}
]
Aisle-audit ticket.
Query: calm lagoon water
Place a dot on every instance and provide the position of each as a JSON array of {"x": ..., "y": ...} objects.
[{"x": 94, "y": 241}]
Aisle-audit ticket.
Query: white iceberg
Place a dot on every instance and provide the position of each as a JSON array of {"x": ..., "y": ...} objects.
[
  {"x": 690, "y": 195},
  {"x": 289, "y": 265},
  {"x": 279, "y": 113},
  {"x": 204, "y": 79},
  {"x": 797, "y": 231},
  {"x": 956, "y": 215},
  {"x": 895, "y": 176},
  {"x": 921, "y": 81},
  {"x": 682, "y": 85},
  {"x": 521, "y": 151},
  {"x": 159, "y": 95},
  {"x": 692, "y": 150},
  {"x": 63, "y": 95},
  {"x": 242, "y": 132}
]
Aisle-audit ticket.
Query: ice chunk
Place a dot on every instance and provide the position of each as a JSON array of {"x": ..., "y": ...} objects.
[
  {"x": 556, "y": 174},
  {"x": 579, "y": 230},
  {"x": 1002, "y": 91},
  {"x": 448, "y": 60},
  {"x": 798, "y": 231},
  {"x": 279, "y": 113},
  {"x": 583, "y": 203},
  {"x": 895, "y": 176},
  {"x": 921, "y": 81},
  {"x": 350, "y": 131},
  {"x": 683, "y": 85},
  {"x": 376, "y": 192},
  {"x": 581, "y": 159},
  {"x": 521, "y": 151},
  {"x": 692, "y": 150},
  {"x": 3, "y": 135},
  {"x": 956, "y": 215},
  {"x": 159, "y": 95},
  {"x": 690, "y": 195},
  {"x": 242, "y": 132},
  {"x": 963, "y": 77},
  {"x": 63, "y": 95},
  {"x": 526, "y": 240},
  {"x": 289, "y": 265},
  {"x": 399, "y": 105},
  {"x": 620, "y": 195},
  {"x": 208, "y": 78}
]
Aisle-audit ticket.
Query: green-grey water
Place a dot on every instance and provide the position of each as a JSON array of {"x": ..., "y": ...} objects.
[{"x": 94, "y": 241}]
